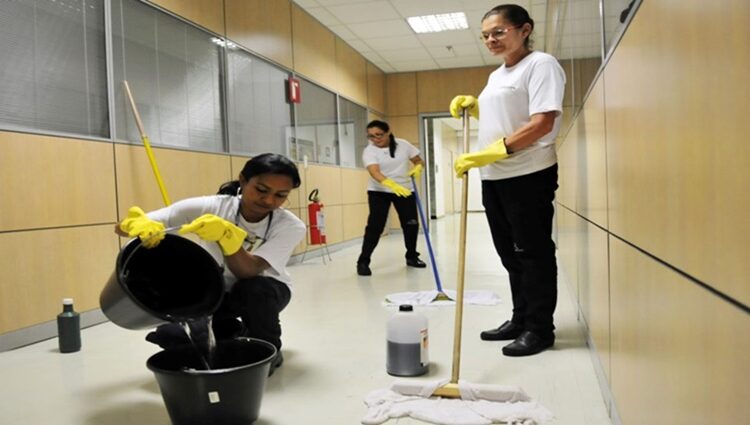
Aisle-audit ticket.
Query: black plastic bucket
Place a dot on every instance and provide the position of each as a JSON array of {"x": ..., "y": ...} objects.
[
  {"x": 176, "y": 281},
  {"x": 228, "y": 394}
]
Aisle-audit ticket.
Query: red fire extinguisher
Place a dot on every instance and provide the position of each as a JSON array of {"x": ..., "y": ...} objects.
[{"x": 317, "y": 219}]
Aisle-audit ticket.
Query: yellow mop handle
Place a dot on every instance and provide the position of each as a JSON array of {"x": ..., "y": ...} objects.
[{"x": 146, "y": 143}]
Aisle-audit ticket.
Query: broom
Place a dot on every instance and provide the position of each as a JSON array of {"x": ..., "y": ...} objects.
[
  {"x": 147, "y": 145},
  {"x": 441, "y": 295}
]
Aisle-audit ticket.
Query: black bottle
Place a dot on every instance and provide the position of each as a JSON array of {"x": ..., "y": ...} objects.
[{"x": 69, "y": 328}]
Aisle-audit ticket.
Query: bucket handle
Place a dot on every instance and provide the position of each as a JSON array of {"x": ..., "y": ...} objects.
[{"x": 123, "y": 273}]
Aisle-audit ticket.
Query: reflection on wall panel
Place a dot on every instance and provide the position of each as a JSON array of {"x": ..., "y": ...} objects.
[
  {"x": 69, "y": 182},
  {"x": 676, "y": 351},
  {"x": 592, "y": 161},
  {"x": 262, "y": 26},
  {"x": 76, "y": 263}
]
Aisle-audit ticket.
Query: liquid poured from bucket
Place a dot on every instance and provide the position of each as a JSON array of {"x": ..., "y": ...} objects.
[{"x": 200, "y": 332}]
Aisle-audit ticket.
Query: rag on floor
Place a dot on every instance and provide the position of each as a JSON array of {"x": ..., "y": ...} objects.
[
  {"x": 428, "y": 298},
  {"x": 478, "y": 405}
]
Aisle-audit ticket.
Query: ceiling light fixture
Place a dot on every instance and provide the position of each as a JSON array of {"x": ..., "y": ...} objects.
[{"x": 438, "y": 23}]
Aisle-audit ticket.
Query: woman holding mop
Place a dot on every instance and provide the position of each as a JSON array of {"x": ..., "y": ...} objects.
[
  {"x": 244, "y": 228},
  {"x": 389, "y": 161},
  {"x": 519, "y": 113}
]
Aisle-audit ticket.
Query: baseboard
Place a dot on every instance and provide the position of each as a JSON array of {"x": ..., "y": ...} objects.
[{"x": 46, "y": 330}]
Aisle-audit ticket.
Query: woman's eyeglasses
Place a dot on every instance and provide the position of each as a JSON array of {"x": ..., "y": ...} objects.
[
  {"x": 496, "y": 33},
  {"x": 375, "y": 136}
]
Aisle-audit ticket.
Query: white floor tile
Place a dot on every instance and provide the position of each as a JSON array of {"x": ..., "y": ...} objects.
[{"x": 334, "y": 349}]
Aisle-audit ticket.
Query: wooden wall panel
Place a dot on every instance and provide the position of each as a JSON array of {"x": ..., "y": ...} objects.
[
  {"x": 314, "y": 49},
  {"x": 406, "y": 127},
  {"x": 302, "y": 214},
  {"x": 334, "y": 224},
  {"x": 436, "y": 89},
  {"x": 568, "y": 236},
  {"x": 354, "y": 186},
  {"x": 355, "y": 220},
  {"x": 265, "y": 27},
  {"x": 42, "y": 267},
  {"x": 50, "y": 181},
  {"x": 352, "y": 73},
  {"x": 327, "y": 180},
  {"x": 185, "y": 174},
  {"x": 593, "y": 286},
  {"x": 568, "y": 169},
  {"x": 401, "y": 94},
  {"x": 679, "y": 354},
  {"x": 206, "y": 13},
  {"x": 592, "y": 180},
  {"x": 678, "y": 161},
  {"x": 375, "y": 88}
]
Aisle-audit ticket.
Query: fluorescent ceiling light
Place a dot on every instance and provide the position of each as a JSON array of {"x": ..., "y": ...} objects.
[{"x": 437, "y": 23}]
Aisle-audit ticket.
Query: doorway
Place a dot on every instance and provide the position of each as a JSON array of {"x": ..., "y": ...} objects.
[{"x": 441, "y": 136}]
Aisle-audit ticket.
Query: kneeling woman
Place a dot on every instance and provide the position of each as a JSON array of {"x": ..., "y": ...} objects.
[{"x": 244, "y": 228}]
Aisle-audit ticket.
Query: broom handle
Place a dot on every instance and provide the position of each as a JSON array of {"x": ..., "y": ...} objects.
[
  {"x": 461, "y": 261},
  {"x": 427, "y": 237},
  {"x": 146, "y": 143}
]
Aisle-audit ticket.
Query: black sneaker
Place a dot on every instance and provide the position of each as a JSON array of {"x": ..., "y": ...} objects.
[
  {"x": 363, "y": 270},
  {"x": 415, "y": 262}
]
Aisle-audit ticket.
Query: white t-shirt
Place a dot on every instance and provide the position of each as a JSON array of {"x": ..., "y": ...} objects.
[
  {"x": 277, "y": 238},
  {"x": 395, "y": 168},
  {"x": 512, "y": 95}
]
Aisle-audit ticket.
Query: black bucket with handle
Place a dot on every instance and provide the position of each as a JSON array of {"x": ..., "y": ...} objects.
[{"x": 175, "y": 281}]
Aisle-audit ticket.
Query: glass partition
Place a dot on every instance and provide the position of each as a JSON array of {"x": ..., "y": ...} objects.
[
  {"x": 352, "y": 132},
  {"x": 258, "y": 112},
  {"x": 315, "y": 133},
  {"x": 174, "y": 72},
  {"x": 53, "y": 76}
]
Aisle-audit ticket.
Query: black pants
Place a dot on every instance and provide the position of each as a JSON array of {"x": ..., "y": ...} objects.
[
  {"x": 250, "y": 309},
  {"x": 519, "y": 211},
  {"x": 379, "y": 203}
]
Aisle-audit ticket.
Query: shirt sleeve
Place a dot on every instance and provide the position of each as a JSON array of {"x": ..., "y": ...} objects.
[
  {"x": 368, "y": 157},
  {"x": 546, "y": 87}
]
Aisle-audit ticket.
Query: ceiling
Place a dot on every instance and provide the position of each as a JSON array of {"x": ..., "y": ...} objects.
[{"x": 378, "y": 30}]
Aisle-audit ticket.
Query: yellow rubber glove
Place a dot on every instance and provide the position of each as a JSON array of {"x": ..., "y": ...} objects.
[
  {"x": 137, "y": 224},
  {"x": 416, "y": 171},
  {"x": 210, "y": 227},
  {"x": 396, "y": 188},
  {"x": 462, "y": 102},
  {"x": 493, "y": 152}
]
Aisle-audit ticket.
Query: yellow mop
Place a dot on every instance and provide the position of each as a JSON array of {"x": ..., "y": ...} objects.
[{"x": 147, "y": 145}]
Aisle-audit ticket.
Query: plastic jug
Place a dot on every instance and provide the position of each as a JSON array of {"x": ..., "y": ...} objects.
[{"x": 408, "y": 343}]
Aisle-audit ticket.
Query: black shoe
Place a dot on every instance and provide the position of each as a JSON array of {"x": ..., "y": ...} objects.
[
  {"x": 415, "y": 262},
  {"x": 363, "y": 270},
  {"x": 276, "y": 363},
  {"x": 527, "y": 344},
  {"x": 504, "y": 332}
]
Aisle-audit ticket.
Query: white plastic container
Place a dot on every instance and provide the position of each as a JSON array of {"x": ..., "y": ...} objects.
[{"x": 408, "y": 343}]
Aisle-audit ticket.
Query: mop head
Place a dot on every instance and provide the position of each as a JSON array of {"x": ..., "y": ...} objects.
[
  {"x": 480, "y": 404},
  {"x": 431, "y": 298}
]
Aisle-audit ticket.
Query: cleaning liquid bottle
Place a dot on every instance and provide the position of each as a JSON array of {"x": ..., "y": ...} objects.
[
  {"x": 68, "y": 328},
  {"x": 408, "y": 343}
]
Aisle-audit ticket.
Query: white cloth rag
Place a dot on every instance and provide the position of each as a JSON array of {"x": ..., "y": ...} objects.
[
  {"x": 428, "y": 298},
  {"x": 479, "y": 405}
]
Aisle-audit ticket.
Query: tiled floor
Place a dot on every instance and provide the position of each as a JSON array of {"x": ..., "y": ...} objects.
[{"x": 334, "y": 347}]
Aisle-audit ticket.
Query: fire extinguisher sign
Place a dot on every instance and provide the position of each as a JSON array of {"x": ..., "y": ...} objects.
[{"x": 317, "y": 219}]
